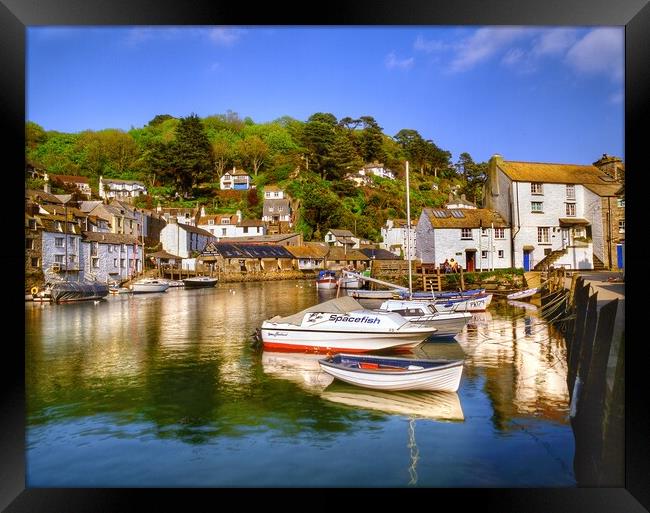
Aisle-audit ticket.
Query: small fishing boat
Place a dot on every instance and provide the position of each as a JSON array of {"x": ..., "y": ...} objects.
[
  {"x": 349, "y": 282},
  {"x": 65, "y": 291},
  {"x": 342, "y": 324},
  {"x": 198, "y": 282},
  {"x": 448, "y": 324},
  {"x": 478, "y": 303},
  {"x": 149, "y": 285},
  {"x": 393, "y": 373},
  {"x": 523, "y": 294},
  {"x": 374, "y": 294},
  {"x": 326, "y": 280}
]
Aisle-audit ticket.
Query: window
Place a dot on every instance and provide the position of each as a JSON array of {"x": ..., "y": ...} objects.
[
  {"x": 484, "y": 232},
  {"x": 58, "y": 259},
  {"x": 570, "y": 192},
  {"x": 536, "y": 188},
  {"x": 537, "y": 206},
  {"x": 210, "y": 221},
  {"x": 499, "y": 233},
  {"x": 122, "y": 263},
  {"x": 131, "y": 224},
  {"x": 32, "y": 224},
  {"x": 225, "y": 220},
  {"x": 484, "y": 254},
  {"x": 58, "y": 242},
  {"x": 570, "y": 209},
  {"x": 35, "y": 262},
  {"x": 542, "y": 235},
  {"x": 276, "y": 194},
  {"x": 29, "y": 243},
  {"x": 621, "y": 226},
  {"x": 245, "y": 229},
  {"x": 466, "y": 233},
  {"x": 223, "y": 231},
  {"x": 110, "y": 248},
  {"x": 500, "y": 253},
  {"x": 95, "y": 262},
  {"x": 620, "y": 203},
  {"x": 115, "y": 262}
]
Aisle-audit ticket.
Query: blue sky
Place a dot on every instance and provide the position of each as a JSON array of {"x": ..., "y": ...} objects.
[{"x": 545, "y": 94}]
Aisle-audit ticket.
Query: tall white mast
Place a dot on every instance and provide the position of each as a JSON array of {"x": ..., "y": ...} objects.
[{"x": 408, "y": 229}]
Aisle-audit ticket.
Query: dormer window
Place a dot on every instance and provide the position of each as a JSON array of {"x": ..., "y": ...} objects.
[
  {"x": 210, "y": 221},
  {"x": 536, "y": 188},
  {"x": 225, "y": 220}
]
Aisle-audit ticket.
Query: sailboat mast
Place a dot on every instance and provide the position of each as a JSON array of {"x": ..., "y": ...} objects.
[{"x": 408, "y": 228}]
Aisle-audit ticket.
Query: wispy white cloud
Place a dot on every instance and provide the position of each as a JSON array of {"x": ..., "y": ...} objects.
[
  {"x": 393, "y": 62},
  {"x": 221, "y": 36},
  {"x": 519, "y": 60},
  {"x": 599, "y": 52},
  {"x": 553, "y": 42},
  {"x": 225, "y": 36},
  {"x": 484, "y": 44},
  {"x": 430, "y": 45}
]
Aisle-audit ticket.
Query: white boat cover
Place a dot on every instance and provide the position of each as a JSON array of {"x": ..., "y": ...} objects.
[{"x": 344, "y": 304}]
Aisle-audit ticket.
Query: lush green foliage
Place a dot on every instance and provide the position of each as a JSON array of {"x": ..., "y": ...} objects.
[{"x": 182, "y": 160}]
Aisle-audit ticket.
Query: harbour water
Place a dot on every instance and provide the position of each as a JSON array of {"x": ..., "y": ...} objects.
[{"x": 169, "y": 390}]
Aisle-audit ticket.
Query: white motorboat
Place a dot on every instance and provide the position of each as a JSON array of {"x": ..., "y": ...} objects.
[
  {"x": 147, "y": 285},
  {"x": 342, "y": 324},
  {"x": 348, "y": 282},
  {"x": 393, "y": 373},
  {"x": 448, "y": 324}
]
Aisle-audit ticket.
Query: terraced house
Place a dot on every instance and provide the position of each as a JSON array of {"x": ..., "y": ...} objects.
[{"x": 562, "y": 215}]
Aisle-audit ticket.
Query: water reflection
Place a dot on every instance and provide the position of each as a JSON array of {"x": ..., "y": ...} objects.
[{"x": 167, "y": 389}]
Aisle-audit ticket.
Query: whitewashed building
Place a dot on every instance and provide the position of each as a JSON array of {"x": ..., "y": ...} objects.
[
  {"x": 341, "y": 238},
  {"x": 184, "y": 240},
  {"x": 237, "y": 179},
  {"x": 394, "y": 238},
  {"x": 377, "y": 169},
  {"x": 478, "y": 239},
  {"x": 110, "y": 188},
  {"x": 225, "y": 226},
  {"x": 555, "y": 211},
  {"x": 80, "y": 182}
]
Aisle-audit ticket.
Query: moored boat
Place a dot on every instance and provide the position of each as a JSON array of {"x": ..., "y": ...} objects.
[
  {"x": 342, "y": 324},
  {"x": 326, "y": 280},
  {"x": 149, "y": 285},
  {"x": 197, "y": 282},
  {"x": 476, "y": 303},
  {"x": 448, "y": 324},
  {"x": 65, "y": 291},
  {"x": 393, "y": 373},
  {"x": 523, "y": 294},
  {"x": 349, "y": 282}
]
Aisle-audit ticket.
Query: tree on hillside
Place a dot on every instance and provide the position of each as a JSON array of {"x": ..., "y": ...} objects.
[
  {"x": 159, "y": 118},
  {"x": 344, "y": 157},
  {"x": 223, "y": 152},
  {"x": 252, "y": 150},
  {"x": 371, "y": 139},
  {"x": 318, "y": 137},
  {"x": 474, "y": 174},
  {"x": 34, "y": 135},
  {"x": 191, "y": 154}
]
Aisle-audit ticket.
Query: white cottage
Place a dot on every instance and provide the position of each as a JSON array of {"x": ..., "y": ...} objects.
[
  {"x": 184, "y": 240},
  {"x": 478, "y": 239},
  {"x": 394, "y": 238},
  {"x": 237, "y": 179},
  {"x": 555, "y": 214},
  {"x": 110, "y": 188}
]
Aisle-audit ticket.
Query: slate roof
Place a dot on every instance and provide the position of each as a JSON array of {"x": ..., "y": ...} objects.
[
  {"x": 464, "y": 218},
  {"x": 242, "y": 250}
]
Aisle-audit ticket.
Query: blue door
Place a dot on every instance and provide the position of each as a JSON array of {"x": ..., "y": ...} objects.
[
  {"x": 526, "y": 260},
  {"x": 619, "y": 256}
]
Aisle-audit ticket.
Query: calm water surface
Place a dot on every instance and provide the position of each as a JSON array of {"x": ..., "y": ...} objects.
[{"x": 169, "y": 390}]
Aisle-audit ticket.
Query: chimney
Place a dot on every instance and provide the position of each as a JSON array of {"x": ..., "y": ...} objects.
[
  {"x": 158, "y": 208},
  {"x": 491, "y": 190},
  {"x": 239, "y": 216},
  {"x": 47, "y": 187},
  {"x": 610, "y": 165}
]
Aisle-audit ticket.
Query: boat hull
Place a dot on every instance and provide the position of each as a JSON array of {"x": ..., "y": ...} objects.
[
  {"x": 464, "y": 305},
  {"x": 327, "y": 283},
  {"x": 199, "y": 284},
  {"x": 68, "y": 292},
  {"x": 147, "y": 288},
  {"x": 445, "y": 378}
]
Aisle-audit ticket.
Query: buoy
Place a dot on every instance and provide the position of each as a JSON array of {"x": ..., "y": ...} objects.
[{"x": 34, "y": 291}]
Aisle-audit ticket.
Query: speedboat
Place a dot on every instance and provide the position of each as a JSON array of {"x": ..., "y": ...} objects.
[
  {"x": 393, "y": 373},
  {"x": 448, "y": 324},
  {"x": 326, "y": 280},
  {"x": 146, "y": 285},
  {"x": 343, "y": 324}
]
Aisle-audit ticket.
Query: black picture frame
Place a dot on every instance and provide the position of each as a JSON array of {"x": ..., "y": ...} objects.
[{"x": 16, "y": 15}]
